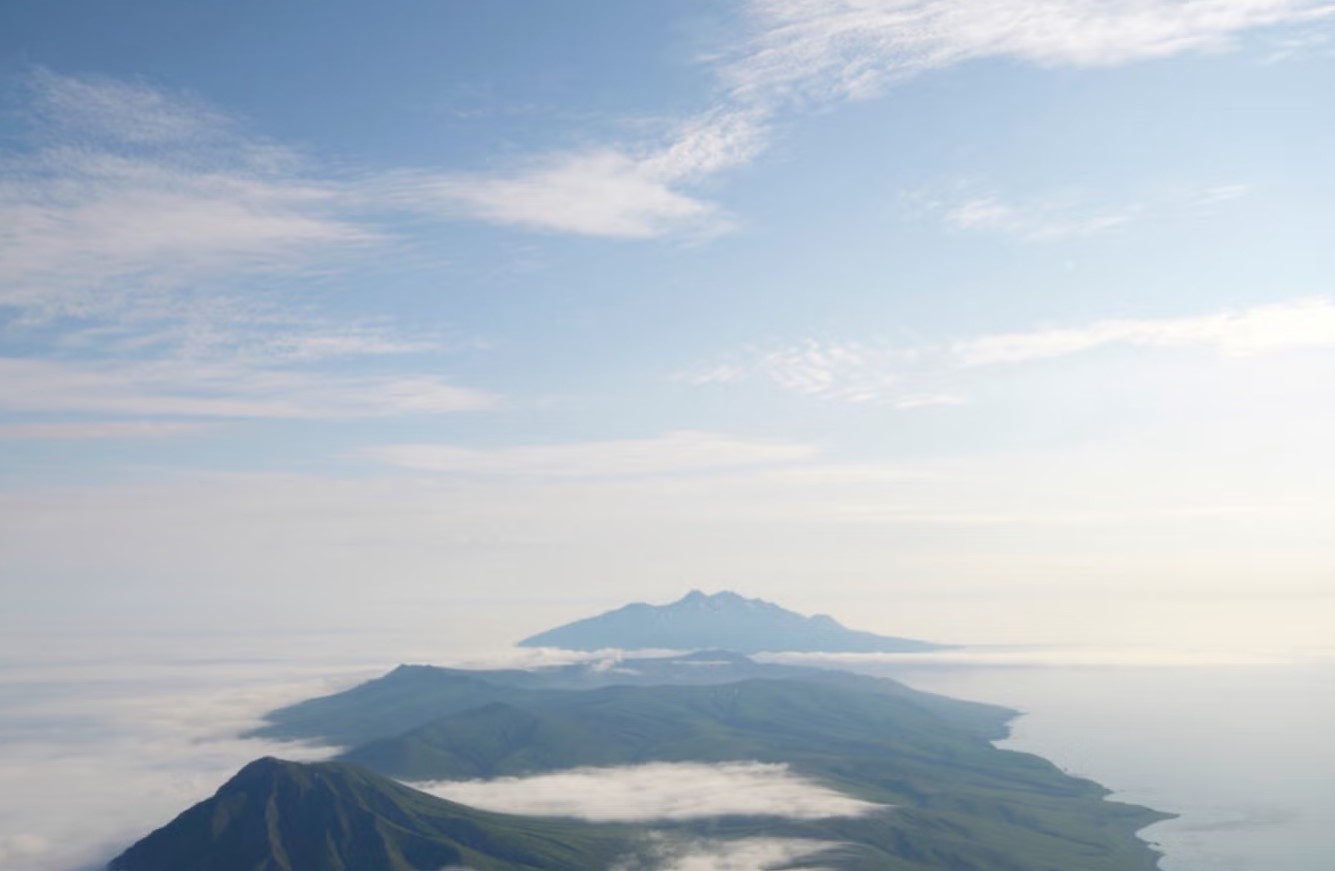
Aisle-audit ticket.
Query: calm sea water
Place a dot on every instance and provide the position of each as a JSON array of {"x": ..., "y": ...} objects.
[{"x": 1245, "y": 754}]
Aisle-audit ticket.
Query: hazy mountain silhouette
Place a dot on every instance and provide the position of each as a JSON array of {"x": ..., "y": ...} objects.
[{"x": 723, "y": 620}]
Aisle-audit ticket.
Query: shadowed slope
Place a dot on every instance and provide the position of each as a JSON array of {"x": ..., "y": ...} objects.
[{"x": 285, "y": 816}]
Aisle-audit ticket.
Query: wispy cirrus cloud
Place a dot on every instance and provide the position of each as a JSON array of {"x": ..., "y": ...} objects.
[
  {"x": 99, "y": 429},
  {"x": 1062, "y": 215},
  {"x": 852, "y": 372},
  {"x": 222, "y": 389},
  {"x": 1042, "y": 222},
  {"x": 628, "y": 190},
  {"x": 145, "y": 238},
  {"x": 1300, "y": 323},
  {"x": 674, "y": 452},
  {"x": 909, "y": 376},
  {"x": 127, "y": 195},
  {"x": 796, "y": 54},
  {"x": 852, "y": 49}
]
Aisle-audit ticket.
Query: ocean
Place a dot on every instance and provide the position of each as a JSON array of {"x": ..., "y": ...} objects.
[{"x": 1244, "y": 754}]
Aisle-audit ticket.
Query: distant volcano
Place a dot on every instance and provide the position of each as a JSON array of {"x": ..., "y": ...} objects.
[{"x": 723, "y": 621}]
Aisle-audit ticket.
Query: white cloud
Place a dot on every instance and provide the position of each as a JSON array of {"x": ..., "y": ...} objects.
[
  {"x": 226, "y": 389},
  {"x": 1042, "y": 222},
  {"x": 622, "y": 191},
  {"x": 848, "y": 49},
  {"x": 139, "y": 233},
  {"x": 801, "y": 52},
  {"x": 658, "y": 791},
  {"x": 1021, "y": 656},
  {"x": 1295, "y": 324},
  {"x": 117, "y": 429},
  {"x": 76, "y": 739},
  {"x": 602, "y": 193},
  {"x": 674, "y": 452},
  {"x": 743, "y": 854},
  {"x": 852, "y": 372},
  {"x": 907, "y": 377},
  {"x": 813, "y": 52},
  {"x": 1061, "y": 215},
  {"x": 98, "y": 107},
  {"x": 131, "y": 194}
]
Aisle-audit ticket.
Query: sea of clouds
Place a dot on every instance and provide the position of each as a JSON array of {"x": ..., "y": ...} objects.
[
  {"x": 657, "y": 791},
  {"x": 104, "y": 739}
]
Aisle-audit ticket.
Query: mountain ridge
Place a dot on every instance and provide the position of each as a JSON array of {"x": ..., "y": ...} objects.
[
  {"x": 723, "y": 620},
  {"x": 275, "y": 815}
]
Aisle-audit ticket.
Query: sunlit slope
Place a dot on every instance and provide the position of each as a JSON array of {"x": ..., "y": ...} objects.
[
  {"x": 414, "y": 695},
  {"x": 958, "y": 802}
]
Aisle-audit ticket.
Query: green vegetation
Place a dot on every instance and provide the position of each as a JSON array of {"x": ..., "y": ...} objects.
[
  {"x": 411, "y": 696},
  {"x": 959, "y": 802},
  {"x": 283, "y": 816}
]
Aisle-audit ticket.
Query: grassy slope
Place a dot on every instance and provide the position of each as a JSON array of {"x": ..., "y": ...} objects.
[
  {"x": 284, "y": 816},
  {"x": 960, "y": 803},
  {"x": 414, "y": 695}
]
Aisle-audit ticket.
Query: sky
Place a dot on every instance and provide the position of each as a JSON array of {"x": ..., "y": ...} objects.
[{"x": 982, "y": 321}]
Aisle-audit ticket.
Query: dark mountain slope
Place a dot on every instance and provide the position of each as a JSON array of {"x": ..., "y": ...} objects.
[
  {"x": 725, "y": 621},
  {"x": 285, "y": 816}
]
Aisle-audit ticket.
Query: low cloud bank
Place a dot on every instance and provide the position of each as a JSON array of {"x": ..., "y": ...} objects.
[
  {"x": 657, "y": 791},
  {"x": 1017, "y": 656},
  {"x": 746, "y": 854},
  {"x": 100, "y": 743}
]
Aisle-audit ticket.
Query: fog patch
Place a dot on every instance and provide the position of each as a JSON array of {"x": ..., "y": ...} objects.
[
  {"x": 657, "y": 791},
  {"x": 745, "y": 854},
  {"x": 1021, "y": 656},
  {"x": 539, "y": 658},
  {"x": 97, "y": 752}
]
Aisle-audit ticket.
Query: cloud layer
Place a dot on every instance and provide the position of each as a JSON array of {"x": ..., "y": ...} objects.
[
  {"x": 744, "y": 854},
  {"x": 81, "y": 732},
  {"x": 915, "y": 375},
  {"x": 674, "y": 452},
  {"x": 658, "y": 791}
]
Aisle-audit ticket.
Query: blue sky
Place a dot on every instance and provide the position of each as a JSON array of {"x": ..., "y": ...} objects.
[{"x": 976, "y": 320}]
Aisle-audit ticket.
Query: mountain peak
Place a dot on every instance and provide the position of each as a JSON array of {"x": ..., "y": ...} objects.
[
  {"x": 314, "y": 816},
  {"x": 721, "y": 599},
  {"x": 724, "y": 620}
]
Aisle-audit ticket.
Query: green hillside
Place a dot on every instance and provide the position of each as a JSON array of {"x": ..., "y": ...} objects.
[
  {"x": 955, "y": 797},
  {"x": 954, "y": 801},
  {"x": 284, "y": 816},
  {"x": 411, "y": 696}
]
